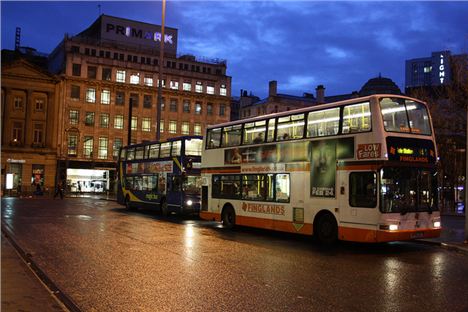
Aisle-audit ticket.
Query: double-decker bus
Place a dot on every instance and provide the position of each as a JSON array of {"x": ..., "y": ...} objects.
[
  {"x": 163, "y": 175},
  {"x": 359, "y": 170}
]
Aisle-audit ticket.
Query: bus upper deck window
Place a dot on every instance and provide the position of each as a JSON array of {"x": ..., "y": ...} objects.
[{"x": 214, "y": 138}]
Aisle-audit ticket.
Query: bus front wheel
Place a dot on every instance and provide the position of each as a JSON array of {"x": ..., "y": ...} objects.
[
  {"x": 326, "y": 229},
  {"x": 228, "y": 217}
]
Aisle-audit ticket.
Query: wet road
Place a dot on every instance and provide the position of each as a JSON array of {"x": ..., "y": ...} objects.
[{"x": 108, "y": 259}]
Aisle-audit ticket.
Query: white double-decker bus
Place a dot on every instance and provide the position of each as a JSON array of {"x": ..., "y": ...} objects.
[{"x": 360, "y": 170}]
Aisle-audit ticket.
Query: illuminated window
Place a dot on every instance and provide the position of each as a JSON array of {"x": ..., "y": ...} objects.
[
  {"x": 105, "y": 97},
  {"x": 198, "y": 108},
  {"x": 174, "y": 85},
  {"x": 291, "y": 127},
  {"x": 161, "y": 125},
  {"x": 356, "y": 118},
  {"x": 72, "y": 144},
  {"x": 134, "y": 123},
  {"x": 115, "y": 148},
  {"x": 172, "y": 126},
  {"x": 185, "y": 128},
  {"x": 102, "y": 150},
  {"x": 89, "y": 119},
  {"x": 187, "y": 86},
  {"x": 197, "y": 130},
  {"x": 74, "y": 117},
  {"x": 199, "y": 87},
  {"x": 104, "y": 121},
  {"x": 135, "y": 78},
  {"x": 323, "y": 123},
  {"x": 186, "y": 106},
  {"x": 118, "y": 121},
  {"x": 163, "y": 85},
  {"x": 146, "y": 124},
  {"x": 223, "y": 90},
  {"x": 91, "y": 95},
  {"x": 120, "y": 76},
  {"x": 148, "y": 81},
  {"x": 88, "y": 147},
  {"x": 210, "y": 89}
]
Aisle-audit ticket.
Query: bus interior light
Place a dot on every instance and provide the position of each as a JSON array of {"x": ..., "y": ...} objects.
[
  {"x": 189, "y": 202},
  {"x": 437, "y": 224},
  {"x": 393, "y": 227}
]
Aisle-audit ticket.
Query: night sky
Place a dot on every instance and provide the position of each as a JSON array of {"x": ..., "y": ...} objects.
[{"x": 300, "y": 44}]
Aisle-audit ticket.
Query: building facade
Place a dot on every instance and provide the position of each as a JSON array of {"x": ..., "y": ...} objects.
[
  {"x": 107, "y": 80},
  {"x": 29, "y": 109}
]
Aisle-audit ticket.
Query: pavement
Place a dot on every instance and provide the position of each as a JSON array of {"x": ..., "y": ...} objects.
[{"x": 23, "y": 289}]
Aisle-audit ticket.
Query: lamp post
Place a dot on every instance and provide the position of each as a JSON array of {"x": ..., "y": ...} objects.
[
  {"x": 160, "y": 74},
  {"x": 129, "y": 130}
]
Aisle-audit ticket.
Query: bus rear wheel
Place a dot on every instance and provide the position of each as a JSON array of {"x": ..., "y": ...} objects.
[
  {"x": 326, "y": 229},
  {"x": 228, "y": 217},
  {"x": 164, "y": 210}
]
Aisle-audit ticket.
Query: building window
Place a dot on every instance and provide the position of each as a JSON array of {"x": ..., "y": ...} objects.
[
  {"x": 210, "y": 89},
  {"x": 209, "y": 109},
  {"x": 148, "y": 81},
  {"x": 186, "y": 106},
  {"x": 88, "y": 147},
  {"x": 89, "y": 119},
  {"x": 76, "y": 70},
  {"x": 18, "y": 102},
  {"x": 173, "y": 105},
  {"x": 223, "y": 90},
  {"x": 17, "y": 133},
  {"x": 163, "y": 83},
  {"x": 116, "y": 147},
  {"x": 197, "y": 129},
  {"x": 105, "y": 97},
  {"x": 134, "y": 123},
  {"x": 38, "y": 133},
  {"x": 135, "y": 78},
  {"x": 174, "y": 85},
  {"x": 91, "y": 95},
  {"x": 147, "y": 101},
  {"x": 161, "y": 125},
  {"x": 106, "y": 73},
  {"x": 185, "y": 128},
  {"x": 134, "y": 99},
  {"x": 75, "y": 49},
  {"x": 72, "y": 144},
  {"x": 187, "y": 86},
  {"x": 92, "y": 70},
  {"x": 118, "y": 121},
  {"x": 146, "y": 124},
  {"x": 39, "y": 105},
  {"x": 199, "y": 87},
  {"x": 75, "y": 92},
  {"x": 222, "y": 110},
  {"x": 172, "y": 126},
  {"x": 198, "y": 108},
  {"x": 120, "y": 76},
  {"x": 120, "y": 98},
  {"x": 74, "y": 117},
  {"x": 102, "y": 151},
  {"x": 163, "y": 105},
  {"x": 104, "y": 120}
]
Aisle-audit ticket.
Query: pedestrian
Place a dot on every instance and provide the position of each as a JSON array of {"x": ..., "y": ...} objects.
[
  {"x": 38, "y": 191},
  {"x": 59, "y": 189}
]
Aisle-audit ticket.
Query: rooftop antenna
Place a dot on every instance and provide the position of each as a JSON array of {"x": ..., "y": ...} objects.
[{"x": 17, "y": 38}]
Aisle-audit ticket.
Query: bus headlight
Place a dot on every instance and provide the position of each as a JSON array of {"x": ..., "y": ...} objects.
[
  {"x": 189, "y": 202},
  {"x": 393, "y": 227},
  {"x": 437, "y": 224}
]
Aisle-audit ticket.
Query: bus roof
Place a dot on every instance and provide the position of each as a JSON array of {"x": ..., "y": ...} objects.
[
  {"x": 311, "y": 108},
  {"x": 184, "y": 137}
]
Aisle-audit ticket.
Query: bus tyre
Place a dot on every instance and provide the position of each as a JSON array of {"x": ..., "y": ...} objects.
[
  {"x": 128, "y": 205},
  {"x": 228, "y": 217},
  {"x": 164, "y": 210},
  {"x": 326, "y": 229}
]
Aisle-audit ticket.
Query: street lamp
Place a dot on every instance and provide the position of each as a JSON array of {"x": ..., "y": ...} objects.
[{"x": 161, "y": 56}]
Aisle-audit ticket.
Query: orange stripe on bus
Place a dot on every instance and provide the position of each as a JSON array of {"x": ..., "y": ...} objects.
[
  {"x": 224, "y": 170},
  {"x": 375, "y": 236},
  {"x": 359, "y": 167}
]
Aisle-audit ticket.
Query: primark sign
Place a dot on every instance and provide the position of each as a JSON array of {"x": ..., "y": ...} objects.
[{"x": 138, "y": 33}]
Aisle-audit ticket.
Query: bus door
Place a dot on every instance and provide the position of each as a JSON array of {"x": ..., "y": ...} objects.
[
  {"x": 174, "y": 190},
  {"x": 357, "y": 196}
]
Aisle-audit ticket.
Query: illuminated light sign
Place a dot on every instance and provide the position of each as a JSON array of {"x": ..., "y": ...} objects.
[
  {"x": 138, "y": 33},
  {"x": 9, "y": 181},
  {"x": 441, "y": 69},
  {"x": 369, "y": 151},
  {"x": 262, "y": 208},
  {"x": 411, "y": 150},
  {"x": 406, "y": 151}
]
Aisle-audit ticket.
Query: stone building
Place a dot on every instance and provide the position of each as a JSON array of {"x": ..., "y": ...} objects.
[{"x": 29, "y": 109}]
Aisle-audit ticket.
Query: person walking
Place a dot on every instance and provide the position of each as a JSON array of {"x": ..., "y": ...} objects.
[{"x": 59, "y": 189}]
